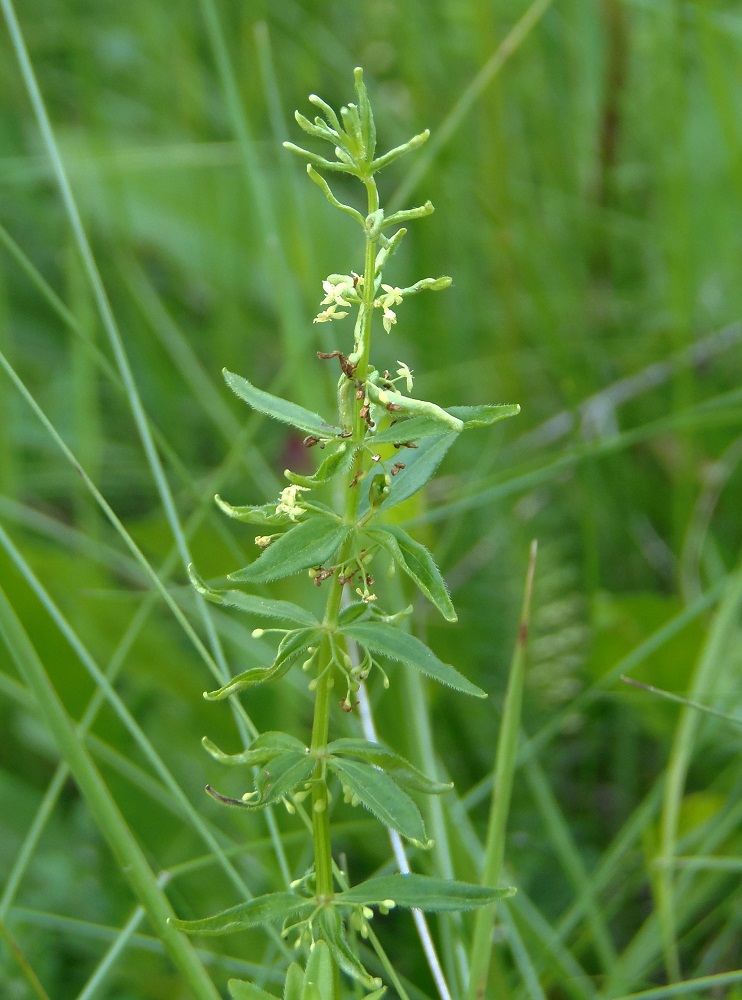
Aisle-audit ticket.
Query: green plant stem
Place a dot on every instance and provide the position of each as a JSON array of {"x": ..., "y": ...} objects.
[
  {"x": 507, "y": 752},
  {"x": 324, "y": 885},
  {"x": 101, "y": 804}
]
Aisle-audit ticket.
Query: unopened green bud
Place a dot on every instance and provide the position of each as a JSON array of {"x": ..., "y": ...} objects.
[{"x": 257, "y": 633}]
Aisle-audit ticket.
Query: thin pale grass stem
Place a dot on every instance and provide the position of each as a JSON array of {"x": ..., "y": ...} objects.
[
  {"x": 504, "y": 771},
  {"x": 22, "y": 962},
  {"x": 120, "y": 942},
  {"x": 127, "y": 720},
  {"x": 507, "y": 47},
  {"x": 710, "y": 660},
  {"x": 566, "y": 972},
  {"x": 423, "y": 931},
  {"x": 109, "y": 323},
  {"x": 245, "y": 725},
  {"x": 103, "y": 808},
  {"x": 711, "y": 983},
  {"x": 565, "y": 848},
  {"x": 112, "y": 517}
]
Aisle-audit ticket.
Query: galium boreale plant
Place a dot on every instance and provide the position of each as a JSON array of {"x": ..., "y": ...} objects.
[{"x": 379, "y": 448}]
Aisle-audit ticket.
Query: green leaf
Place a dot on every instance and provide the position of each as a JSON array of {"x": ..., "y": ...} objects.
[
  {"x": 262, "y": 749},
  {"x": 421, "y": 892},
  {"x": 310, "y": 542},
  {"x": 420, "y": 465},
  {"x": 280, "y": 409},
  {"x": 353, "y": 612},
  {"x": 262, "y": 607},
  {"x": 385, "y": 640},
  {"x": 418, "y": 563},
  {"x": 399, "y": 769},
  {"x": 319, "y": 979},
  {"x": 320, "y": 161},
  {"x": 333, "y": 933},
  {"x": 483, "y": 416},
  {"x": 331, "y": 466},
  {"x": 256, "y": 912},
  {"x": 293, "y": 646},
  {"x": 409, "y": 429},
  {"x": 263, "y": 516},
  {"x": 241, "y": 990},
  {"x": 383, "y": 797},
  {"x": 294, "y": 982},
  {"x": 281, "y": 776},
  {"x": 387, "y": 158}
]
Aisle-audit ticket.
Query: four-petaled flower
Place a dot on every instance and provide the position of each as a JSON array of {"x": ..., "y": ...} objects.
[
  {"x": 389, "y": 318},
  {"x": 336, "y": 290},
  {"x": 289, "y": 503},
  {"x": 329, "y": 314},
  {"x": 393, "y": 297},
  {"x": 405, "y": 372},
  {"x": 339, "y": 290}
]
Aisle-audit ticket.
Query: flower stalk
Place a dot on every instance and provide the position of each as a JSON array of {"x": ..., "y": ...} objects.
[{"x": 381, "y": 447}]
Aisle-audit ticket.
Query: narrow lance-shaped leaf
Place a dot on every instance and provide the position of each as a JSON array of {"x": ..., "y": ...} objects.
[
  {"x": 290, "y": 651},
  {"x": 278, "y": 780},
  {"x": 262, "y": 607},
  {"x": 241, "y": 990},
  {"x": 383, "y": 797},
  {"x": 319, "y": 978},
  {"x": 294, "y": 982},
  {"x": 420, "y": 892},
  {"x": 333, "y": 932},
  {"x": 394, "y": 764},
  {"x": 385, "y": 640},
  {"x": 256, "y": 912},
  {"x": 262, "y": 516},
  {"x": 407, "y": 429},
  {"x": 310, "y": 543},
  {"x": 262, "y": 749},
  {"x": 334, "y": 464},
  {"x": 280, "y": 777},
  {"x": 415, "y": 560},
  {"x": 420, "y": 465},
  {"x": 483, "y": 416},
  {"x": 320, "y": 161},
  {"x": 280, "y": 409}
]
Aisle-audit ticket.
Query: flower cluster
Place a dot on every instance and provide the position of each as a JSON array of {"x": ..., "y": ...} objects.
[
  {"x": 290, "y": 504},
  {"x": 393, "y": 297},
  {"x": 340, "y": 292}
]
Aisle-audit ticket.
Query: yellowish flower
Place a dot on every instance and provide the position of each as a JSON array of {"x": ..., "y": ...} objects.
[
  {"x": 388, "y": 319},
  {"x": 289, "y": 502},
  {"x": 405, "y": 372},
  {"x": 329, "y": 314}
]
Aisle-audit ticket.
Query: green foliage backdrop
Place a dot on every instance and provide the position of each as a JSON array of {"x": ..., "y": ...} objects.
[{"x": 587, "y": 178}]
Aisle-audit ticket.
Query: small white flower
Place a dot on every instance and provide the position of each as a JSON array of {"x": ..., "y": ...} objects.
[
  {"x": 289, "y": 502},
  {"x": 329, "y": 314},
  {"x": 393, "y": 296},
  {"x": 388, "y": 319},
  {"x": 335, "y": 292},
  {"x": 405, "y": 372}
]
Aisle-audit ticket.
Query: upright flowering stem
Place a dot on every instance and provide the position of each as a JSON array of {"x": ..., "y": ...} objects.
[
  {"x": 320, "y": 728},
  {"x": 377, "y": 416}
]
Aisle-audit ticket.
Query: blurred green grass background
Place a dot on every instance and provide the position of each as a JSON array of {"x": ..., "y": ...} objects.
[{"x": 589, "y": 208}]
